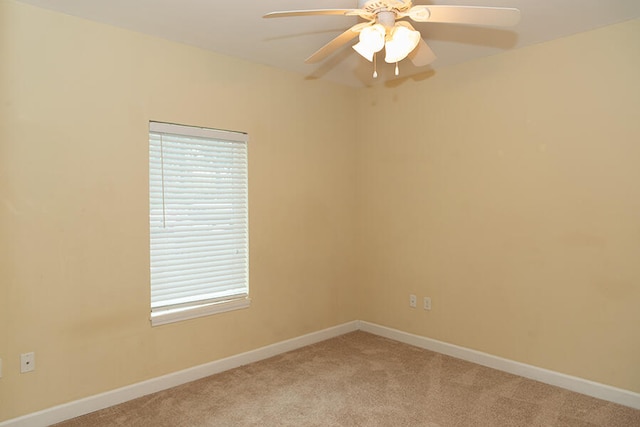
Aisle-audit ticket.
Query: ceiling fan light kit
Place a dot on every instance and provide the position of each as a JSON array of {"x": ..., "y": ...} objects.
[
  {"x": 372, "y": 40},
  {"x": 400, "y": 43},
  {"x": 399, "y": 39}
]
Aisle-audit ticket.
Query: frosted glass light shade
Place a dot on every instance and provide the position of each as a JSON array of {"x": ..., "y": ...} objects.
[
  {"x": 371, "y": 41},
  {"x": 401, "y": 43}
]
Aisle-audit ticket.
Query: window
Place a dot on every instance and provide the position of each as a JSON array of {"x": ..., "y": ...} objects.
[{"x": 198, "y": 218}]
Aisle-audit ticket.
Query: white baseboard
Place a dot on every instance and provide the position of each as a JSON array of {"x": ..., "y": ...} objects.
[
  {"x": 579, "y": 385},
  {"x": 104, "y": 400}
]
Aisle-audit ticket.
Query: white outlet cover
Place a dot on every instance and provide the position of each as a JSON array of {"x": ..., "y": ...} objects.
[
  {"x": 27, "y": 362},
  {"x": 427, "y": 303},
  {"x": 413, "y": 300}
]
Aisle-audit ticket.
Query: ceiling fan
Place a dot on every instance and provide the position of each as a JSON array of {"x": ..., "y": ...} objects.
[{"x": 385, "y": 29}]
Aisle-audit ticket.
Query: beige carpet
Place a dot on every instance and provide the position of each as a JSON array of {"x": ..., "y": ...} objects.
[{"x": 360, "y": 379}]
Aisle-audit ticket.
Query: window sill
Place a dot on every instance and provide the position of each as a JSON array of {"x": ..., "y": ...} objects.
[{"x": 177, "y": 315}]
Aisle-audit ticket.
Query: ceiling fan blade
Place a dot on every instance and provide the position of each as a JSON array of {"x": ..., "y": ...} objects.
[
  {"x": 422, "y": 55},
  {"x": 311, "y": 12},
  {"x": 336, "y": 43},
  {"x": 474, "y": 15},
  {"x": 362, "y": 13}
]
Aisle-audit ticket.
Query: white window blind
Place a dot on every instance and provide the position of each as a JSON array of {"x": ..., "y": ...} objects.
[{"x": 198, "y": 217}]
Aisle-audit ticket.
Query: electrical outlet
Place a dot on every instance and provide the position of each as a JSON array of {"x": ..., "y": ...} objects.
[
  {"x": 427, "y": 303},
  {"x": 27, "y": 362},
  {"x": 413, "y": 301}
]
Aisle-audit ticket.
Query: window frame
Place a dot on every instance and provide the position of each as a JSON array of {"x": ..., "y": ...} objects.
[{"x": 193, "y": 309}]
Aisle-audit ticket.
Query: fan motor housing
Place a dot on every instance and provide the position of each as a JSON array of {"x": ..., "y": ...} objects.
[
  {"x": 386, "y": 18},
  {"x": 375, "y": 6}
]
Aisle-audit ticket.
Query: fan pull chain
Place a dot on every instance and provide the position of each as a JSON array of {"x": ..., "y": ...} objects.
[
  {"x": 397, "y": 70},
  {"x": 375, "y": 72}
]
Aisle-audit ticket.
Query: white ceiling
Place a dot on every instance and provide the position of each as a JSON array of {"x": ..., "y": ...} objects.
[{"x": 237, "y": 28}]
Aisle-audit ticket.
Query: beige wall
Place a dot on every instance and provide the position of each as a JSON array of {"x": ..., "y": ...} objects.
[
  {"x": 76, "y": 98},
  {"x": 508, "y": 190}
]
